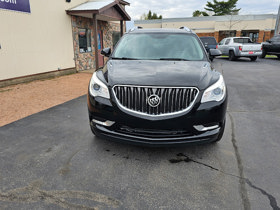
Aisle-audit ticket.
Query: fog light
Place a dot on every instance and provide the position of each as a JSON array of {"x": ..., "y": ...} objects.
[
  {"x": 107, "y": 123},
  {"x": 202, "y": 128}
]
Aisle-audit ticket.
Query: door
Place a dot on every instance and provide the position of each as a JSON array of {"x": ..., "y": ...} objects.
[{"x": 100, "y": 47}]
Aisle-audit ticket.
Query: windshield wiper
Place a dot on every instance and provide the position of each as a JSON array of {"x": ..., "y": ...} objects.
[
  {"x": 174, "y": 59},
  {"x": 124, "y": 58}
]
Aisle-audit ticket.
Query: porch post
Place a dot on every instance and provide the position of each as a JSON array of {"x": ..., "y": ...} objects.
[
  {"x": 95, "y": 34},
  {"x": 121, "y": 23}
]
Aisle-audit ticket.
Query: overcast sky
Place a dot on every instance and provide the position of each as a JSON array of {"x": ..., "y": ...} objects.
[{"x": 185, "y": 8}]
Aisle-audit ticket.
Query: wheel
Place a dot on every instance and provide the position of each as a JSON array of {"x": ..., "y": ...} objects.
[
  {"x": 221, "y": 132},
  {"x": 253, "y": 58},
  {"x": 263, "y": 54},
  {"x": 231, "y": 57}
]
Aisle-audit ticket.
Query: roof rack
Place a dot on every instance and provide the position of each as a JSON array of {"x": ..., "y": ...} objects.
[
  {"x": 135, "y": 28},
  {"x": 186, "y": 29}
]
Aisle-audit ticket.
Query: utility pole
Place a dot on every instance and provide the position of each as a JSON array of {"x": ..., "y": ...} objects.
[{"x": 277, "y": 27}]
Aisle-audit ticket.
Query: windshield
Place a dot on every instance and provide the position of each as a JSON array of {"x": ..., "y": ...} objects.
[{"x": 159, "y": 46}]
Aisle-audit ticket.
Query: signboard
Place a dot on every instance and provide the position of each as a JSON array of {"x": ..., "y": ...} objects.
[{"x": 16, "y": 5}]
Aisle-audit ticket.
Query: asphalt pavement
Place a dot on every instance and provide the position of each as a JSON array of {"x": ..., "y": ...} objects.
[{"x": 51, "y": 160}]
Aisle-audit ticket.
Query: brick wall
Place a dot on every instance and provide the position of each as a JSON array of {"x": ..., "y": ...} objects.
[
  {"x": 238, "y": 33},
  {"x": 205, "y": 34},
  {"x": 86, "y": 60}
]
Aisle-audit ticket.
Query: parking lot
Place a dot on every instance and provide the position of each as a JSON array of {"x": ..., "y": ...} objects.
[{"x": 51, "y": 160}]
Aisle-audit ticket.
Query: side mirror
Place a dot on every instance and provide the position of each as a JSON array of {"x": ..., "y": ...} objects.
[
  {"x": 215, "y": 52},
  {"x": 106, "y": 51}
]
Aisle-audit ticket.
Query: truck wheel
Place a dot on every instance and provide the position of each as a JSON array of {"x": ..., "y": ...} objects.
[
  {"x": 263, "y": 54},
  {"x": 253, "y": 58},
  {"x": 231, "y": 57}
]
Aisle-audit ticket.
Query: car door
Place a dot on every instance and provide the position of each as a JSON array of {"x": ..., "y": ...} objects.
[
  {"x": 275, "y": 44},
  {"x": 226, "y": 47},
  {"x": 221, "y": 46}
]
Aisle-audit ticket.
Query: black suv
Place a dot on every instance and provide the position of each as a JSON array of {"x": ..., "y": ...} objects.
[
  {"x": 271, "y": 47},
  {"x": 158, "y": 88},
  {"x": 209, "y": 42}
]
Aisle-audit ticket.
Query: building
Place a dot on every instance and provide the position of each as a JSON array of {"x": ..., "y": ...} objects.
[
  {"x": 43, "y": 38},
  {"x": 258, "y": 27}
]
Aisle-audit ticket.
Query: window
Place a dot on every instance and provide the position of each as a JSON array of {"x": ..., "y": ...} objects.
[
  {"x": 275, "y": 39},
  {"x": 222, "y": 42},
  {"x": 116, "y": 37},
  {"x": 227, "y": 41},
  {"x": 84, "y": 40},
  {"x": 208, "y": 40},
  {"x": 242, "y": 40}
]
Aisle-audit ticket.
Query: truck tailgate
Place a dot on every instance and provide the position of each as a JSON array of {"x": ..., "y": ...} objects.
[{"x": 251, "y": 47}]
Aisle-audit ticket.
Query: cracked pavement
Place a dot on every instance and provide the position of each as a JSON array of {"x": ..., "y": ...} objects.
[{"x": 50, "y": 160}]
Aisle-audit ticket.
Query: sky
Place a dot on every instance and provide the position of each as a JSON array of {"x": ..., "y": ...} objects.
[{"x": 185, "y": 8}]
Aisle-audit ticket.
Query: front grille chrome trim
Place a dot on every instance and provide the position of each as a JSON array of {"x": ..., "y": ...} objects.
[{"x": 142, "y": 109}]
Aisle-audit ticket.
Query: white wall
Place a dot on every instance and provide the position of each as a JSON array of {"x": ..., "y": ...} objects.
[{"x": 37, "y": 42}]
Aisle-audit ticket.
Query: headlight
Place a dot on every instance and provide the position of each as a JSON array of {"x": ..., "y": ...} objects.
[
  {"x": 215, "y": 92},
  {"x": 98, "y": 88}
]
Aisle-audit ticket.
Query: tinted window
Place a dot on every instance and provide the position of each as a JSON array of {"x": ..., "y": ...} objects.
[
  {"x": 275, "y": 39},
  {"x": 116, "y": 37},
  {"x": 150, "y": 46},
  {"x": 242, "y": 40},
  {"x": 227, "y": 41},
  {"x": 208, "y": 40},
  {"x": 222, "y": 42}
]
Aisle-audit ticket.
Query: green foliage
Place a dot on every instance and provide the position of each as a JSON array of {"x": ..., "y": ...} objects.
[
  {"x": 151, "y": 16},
  {"x": 222, "y": 7},
  {"x": 198, "y": 13}
]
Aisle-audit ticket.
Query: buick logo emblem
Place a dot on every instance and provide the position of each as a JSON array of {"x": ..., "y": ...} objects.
[{"x": 154, "y": 100}]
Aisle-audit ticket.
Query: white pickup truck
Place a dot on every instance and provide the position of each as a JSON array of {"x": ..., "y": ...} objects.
[{"x": 236, "y": 47}]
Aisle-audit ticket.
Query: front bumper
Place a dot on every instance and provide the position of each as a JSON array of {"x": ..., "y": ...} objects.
[{"x": 108, "y": 121}]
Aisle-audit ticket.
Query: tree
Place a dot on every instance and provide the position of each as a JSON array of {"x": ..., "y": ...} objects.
[
  {"x": 198, "y": 13},
  {"x": 150, "y": 16},
  {"x": 222, "y": 7}
]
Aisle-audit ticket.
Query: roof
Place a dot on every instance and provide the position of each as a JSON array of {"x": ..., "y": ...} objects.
[
  {"x": 92, "y": 5},
  {"x": 159, "y": 30},
  {"x": 210, "y": 18},
  {"x": 108, "y": 10}
]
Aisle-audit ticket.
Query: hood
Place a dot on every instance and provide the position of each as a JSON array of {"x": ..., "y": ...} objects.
[{"x": 160, "y": 73}]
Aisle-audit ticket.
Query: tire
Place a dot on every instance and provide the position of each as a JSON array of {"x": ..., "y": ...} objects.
[
  {"x": 263, "y": 54},
  {"x": 231, "y": 57},
  {"x": 253, "y": 58},
  {"x": 221, "y": 132}
]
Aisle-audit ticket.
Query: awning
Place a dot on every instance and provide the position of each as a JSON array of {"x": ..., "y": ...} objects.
[{"x": 107, "y": 10}]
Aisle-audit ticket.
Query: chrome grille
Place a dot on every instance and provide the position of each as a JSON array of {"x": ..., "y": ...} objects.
[{"x": 172, "y": 99}]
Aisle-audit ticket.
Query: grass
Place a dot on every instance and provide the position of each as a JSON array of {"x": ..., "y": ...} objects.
[{"x": 271, "y": 56}]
